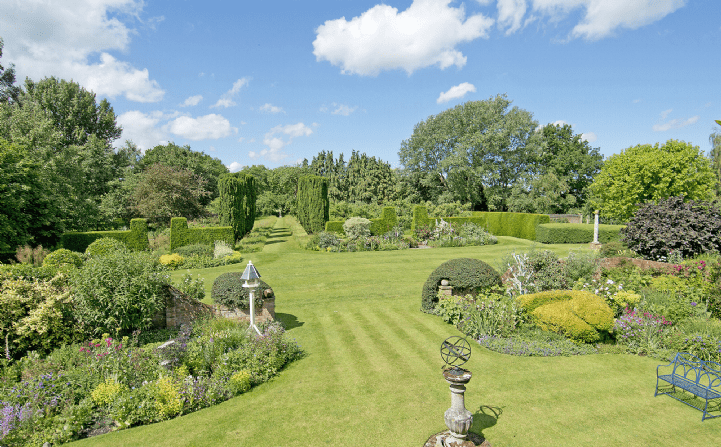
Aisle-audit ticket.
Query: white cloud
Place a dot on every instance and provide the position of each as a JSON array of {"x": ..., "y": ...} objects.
[
  {"x": 235, "y": 167},
  {"x": 636, "y": 101},
  {"x": 275, "y": 142},
  {"x": 270, "y": 108},
  {"x": 665, "y": 114},
  {"x": 456, "y": 92},
  {"x": 342, "y": 109},
  {"x": 602, "y": 17},
  {"x": 226, "y": 99},
  {"x": 510, "y": 14},
  {"x": 559, "y": 123},
  {"x": 192, "y": 101},
  {"x": 141, "y": 128},
  {"x": 589, "y": 136},
  {"x": 675, "y": 123},
  {"x": 60, "y": 40},
  {"x": 381, "y": 38},
  {"x": 208, "y": 127}
]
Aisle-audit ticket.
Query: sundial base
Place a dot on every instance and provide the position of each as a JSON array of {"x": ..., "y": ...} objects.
[{"x": 444, "y": 439}]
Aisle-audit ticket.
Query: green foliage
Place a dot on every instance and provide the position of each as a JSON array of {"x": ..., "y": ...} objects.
[
  {"x": 674, "y": 224},
  {"x": 357, "y": 227},
  {"x": 202, "y": 165},
  {"x": 364, "y": 179},
  {"x": 519, "y": 225},
  {"x": 313, "y": 205},
  {"x": 172, "y": 261},
  {"x": 237, "y": 203},
  {"x": 181, "y": 235},
  {"x": 195, "y": 249},
  {"x": 579, "y": 315},
  {"x": 335, "y": 226},
  {"x": 135, "y": 239},
  {"x": 387, "y": 221},
  {"x": 228, "y": 291},
  {"x": 62, "y": 257},
  {"x": 9, "y": 93},
  {"x": 166, "y": 191},
  {"x": 646, "y": 173},
  {"x": 715, "y": 156},
  {"x": 557, "y": 233},
  {"x": 476, "y": 151},
  {"x": 37, "y": 315},
  {"x": 545, "y": 194},
  {"x": 119, "y": 292},
  {"x": 481, "y": 316},
  {"x": 29, "y": 211},
  {"x": 239, "y": 382},
  {"x": 465, "y": 275},
  {"x": 104, "y": 246},
  {"x": 193, "y": 287}
]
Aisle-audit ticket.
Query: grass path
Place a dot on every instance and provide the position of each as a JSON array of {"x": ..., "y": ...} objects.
[{"x": 372, "y": 373}]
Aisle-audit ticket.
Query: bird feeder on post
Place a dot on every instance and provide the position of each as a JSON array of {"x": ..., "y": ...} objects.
[{"x": 250, "y": 281}]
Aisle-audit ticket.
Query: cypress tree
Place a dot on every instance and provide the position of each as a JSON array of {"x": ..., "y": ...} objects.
[
  {"x": 313, "y": 205},
  {"x": 237, "y": 203}
]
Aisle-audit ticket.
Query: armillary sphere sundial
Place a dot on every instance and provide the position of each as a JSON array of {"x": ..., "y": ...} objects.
[{"x": 455, "y": 351}]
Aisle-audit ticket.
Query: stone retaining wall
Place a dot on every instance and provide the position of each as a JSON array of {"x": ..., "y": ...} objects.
[{"x": 181, "y": 309}]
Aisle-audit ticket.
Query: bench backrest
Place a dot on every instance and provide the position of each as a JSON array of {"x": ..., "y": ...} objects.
[{"x": 702, "y": 372}]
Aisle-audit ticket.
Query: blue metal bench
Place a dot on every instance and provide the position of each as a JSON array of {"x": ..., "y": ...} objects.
[{"x": 698, "y": 377}]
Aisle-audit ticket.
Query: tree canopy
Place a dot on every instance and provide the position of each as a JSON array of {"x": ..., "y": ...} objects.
[
  {"x": 478, "y": 150},
  {"x": 646, "y": 173},
  {"x": 9, "y": 92}
]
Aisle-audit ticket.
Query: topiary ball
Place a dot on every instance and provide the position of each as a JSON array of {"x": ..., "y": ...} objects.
[
  {"x": 465, "y": 275},
  {"x": 62, "y": 257},
  {"x": 228, "y": 291},
  {"x": 104, "y": 246}
]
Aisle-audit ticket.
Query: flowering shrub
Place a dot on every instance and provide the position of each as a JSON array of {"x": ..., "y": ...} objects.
[
  {"x": 357, "y": 227},
  {"x": 222, "y": 249},
  {"x": 493, "y": 316},
  {"x": 520, "y": 275},
  {"x": 173, "y": 260},
  {"x": 612, "y": 292},
  {"x": 641, "y": 331},
  {"x": 193, "y": 287},
  {"x": 239, "y": 382}
]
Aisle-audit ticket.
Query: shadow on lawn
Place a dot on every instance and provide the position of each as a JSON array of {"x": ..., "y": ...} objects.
[
  {"x": 485, "y": 417},
  {"x": 289, "y": 321}
]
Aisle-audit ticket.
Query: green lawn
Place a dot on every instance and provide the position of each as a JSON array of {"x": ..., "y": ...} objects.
[{"x": 372, "y": 373}]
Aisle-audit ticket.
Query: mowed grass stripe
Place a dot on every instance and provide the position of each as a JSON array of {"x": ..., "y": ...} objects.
[
  {"x": 339, "y": 357},
  {"x": 414, "y": 356}
]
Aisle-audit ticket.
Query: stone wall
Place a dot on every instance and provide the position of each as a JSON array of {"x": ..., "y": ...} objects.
[
  {"x": 642, "y": 264},
  {"x": 181, "y": 309}
]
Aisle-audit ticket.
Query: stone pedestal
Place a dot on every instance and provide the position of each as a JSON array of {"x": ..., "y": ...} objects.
[{"x": 458, "y": 419}]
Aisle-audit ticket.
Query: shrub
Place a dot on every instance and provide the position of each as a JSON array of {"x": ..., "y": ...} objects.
[
  {"x": 181, "y": 235},
  {"x": 29, "y": 255},
  {"x": 193, "y": 287},
  {"x": 222, "y": 249},
  {"x": 63, "y": 257},
  {"x": 36, "y": 315},
  {"x": 106, "y": 392},
  {"x": 674, "y": 225},
  {"x": 172, "y": 261},
  {"x": 357, "y": 227},
  {"x": 493, "y": 315},
  {"x": 228, "y": 291},
  {"x": 119, "y": 292},
  {"x": 239, "y": 382},
  {"x": 465, "y": 275},
  {"x": 194, "y": 250},
  {"x": 579, "y": 315},
  {"x": 104, "y": 246}
]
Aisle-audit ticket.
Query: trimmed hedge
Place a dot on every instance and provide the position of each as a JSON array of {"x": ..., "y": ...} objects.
[
  {"x": 181, "y": 235},
  {"x": 555, "y": 233},
  {"x": 237, "y": 203},
  {"x": 135, "y": 239},
  {"x": 578, "y": 314},
  {"x": 520, "y": 225},
  {"x": 465, "y": 275},
  {"x": 380, "y": 226},
  {"x": 313, "y": 205}
]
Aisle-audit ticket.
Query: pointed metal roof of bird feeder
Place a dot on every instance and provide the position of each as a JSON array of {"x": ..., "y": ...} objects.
[{"x": 250, "y": 273}]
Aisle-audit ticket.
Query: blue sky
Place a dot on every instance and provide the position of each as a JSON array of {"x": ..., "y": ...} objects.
[{"x": 273, "y": 82}]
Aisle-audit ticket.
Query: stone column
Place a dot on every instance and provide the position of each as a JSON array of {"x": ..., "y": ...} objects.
[{"x": 595, "y": 245}]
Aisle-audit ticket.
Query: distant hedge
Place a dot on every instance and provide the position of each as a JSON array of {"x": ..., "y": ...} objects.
[
  {"x": 520, "y": 225},
  {"x": 181, "y": 235},
  {"x": 135, "y": 239},
  {"x": 313, "y": 206},
  {"x": 555, "y": 233},
  {"x": 382, "y": 225}
]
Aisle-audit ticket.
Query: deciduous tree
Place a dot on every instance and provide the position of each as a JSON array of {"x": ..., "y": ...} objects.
[
  {"x": 165, "y": 191},
  {"x": 646, "y": 173}
]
